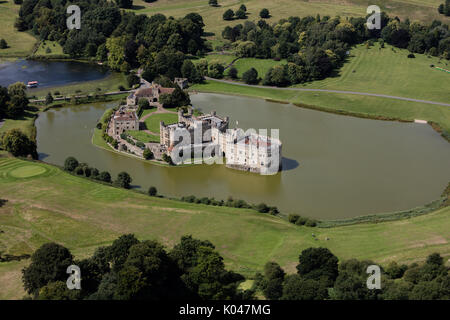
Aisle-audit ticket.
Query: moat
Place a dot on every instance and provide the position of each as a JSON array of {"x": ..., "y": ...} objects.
[{"x": 333, "y": 166}]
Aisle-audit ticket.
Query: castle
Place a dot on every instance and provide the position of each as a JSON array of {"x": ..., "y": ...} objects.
[
  {"x": 246, "y": 151},
  {"x": 192, "y": 136}
]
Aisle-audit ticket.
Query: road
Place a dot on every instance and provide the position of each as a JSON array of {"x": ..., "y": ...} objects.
[{"x": 333, "y": 91}]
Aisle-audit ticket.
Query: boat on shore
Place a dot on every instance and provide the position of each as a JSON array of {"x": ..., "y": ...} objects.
[{"x": 32, "y": 84}]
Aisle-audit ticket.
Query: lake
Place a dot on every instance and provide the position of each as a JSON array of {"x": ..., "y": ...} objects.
[
  {"x": 50, "y": 73},
  {"x": 333, "y": 166}
]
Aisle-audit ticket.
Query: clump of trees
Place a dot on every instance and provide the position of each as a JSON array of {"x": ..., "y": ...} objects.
[
  {"x": 72, "y": 165},
  {"x": 130, "y": 269},
  {"x": 302, "y": 221},
  {"x": 178, "y": 98},
  {"x": 120, "y": 39},
  {"x": 13, "y": 100},
  {"x": 316, "y": 47},
  {"x": 18, "y": 144},
  {"x": 444, "y": 8},
  {"x": 233, "y": 203}
]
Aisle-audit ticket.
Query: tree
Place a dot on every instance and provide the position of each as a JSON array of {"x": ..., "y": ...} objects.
[
  {"x": 48, "y": 99},
  {"x": 4, "y": 101},
  {"x": 48, "y": 263},
  {"x": 272, "y": 285},
  {"x": 178, "y": 98},
  {"x": 228, "y": 15},
  {"x": 18, "y": 143},
  {"x": 3, "y": 44},
  {"x": 148, "y": 154},
  {"x": 125, "y": 4},
  {"x": 132, "y": 80},
  {"x": 105, "y": 176},
  {"x": 18, "y": 100},
  {"x": 70, "y": 164},
  {"x": 152, "y": 191},
  {"x": 213, "y": 3},
  {"x": 447, "y": 8},
  {"x": 58, "y": 290},
  {"x": 298, "y": 288},
  {"x": 233, "y": 73},
  {"x": 316, "y": 263},
  {"x": 123, "y": 180},
  {"x": 215, "y": 69},
  {"x": 143, "y": 103},
  {"x": 118, "y": 251},
  {"x": 441, "y": 8},
  {"x": 241, "y": 14},
  {"x": 250, "y": 76},
  {"x": 264, "y": 14}
]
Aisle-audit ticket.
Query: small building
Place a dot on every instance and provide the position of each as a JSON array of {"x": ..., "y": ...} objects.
[
  {"x": 152, "y": 94},
  {"x": 123, "y": 120}
]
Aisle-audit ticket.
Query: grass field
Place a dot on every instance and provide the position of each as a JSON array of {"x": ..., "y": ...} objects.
[
  {"x": 152, "y": 123},
  {"x": 45, "y": 204},
  {"x": 143, "y": 136},
  {"x": 20, "y": 43},
  {"x": 24, "y": 124},
  {"x": 55, "y": 49},
  {"x": 423, "y": 10},
  {"x": 389, "y": 71},
  {"x": 261, "y": 65}
]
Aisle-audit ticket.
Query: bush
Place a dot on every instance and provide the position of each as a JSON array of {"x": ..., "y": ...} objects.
[
  {"x": 311, "y": 223},
  {"x": 152, "y": 191},
  {"x": 233, "y": 73},
  {"x": 121, "y": 88},
  {"x": 264, "y": 14},
  {"x": 104, "y": 176},
  {"x": 148, "y": 154},
  {"x": 123, "y": 180},
  {"x": 250, "y": 76},
  {"x": 70, "y": 164},
  {"x": 79, "y": 171},
  {"x": 411, "y": 56},
  {"x": 3, "y": 44},
  {"x": 292, "y": 218},
  {"x": 228, "y": 15}
]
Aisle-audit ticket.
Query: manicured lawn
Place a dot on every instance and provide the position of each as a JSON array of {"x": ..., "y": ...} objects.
[
  {"x": 261, "y": 65},
  {"x": 20, "y": 43},
  {"x": 152, "y": 123},
  {"x": 143, "y": 136},
  {"x": 24, "y": 124},
  {"x": 389, "y": 71},
  {"x": 148, "y": 111},
  {"x": 47, "y": 207},
  {"x": 55, "y": 49}
]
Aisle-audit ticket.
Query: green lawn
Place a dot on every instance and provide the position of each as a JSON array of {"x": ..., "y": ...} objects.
[
  {"x": 261, "y": 65},
  {"x": 389, "y": 71},
  {"x": 46, "y": 207},
  {"x": 24, "y": 124},
  {"x": 108, "y": 84},
  {"x": 143, "y": 136},
  {"x": 152, "y": 123},
  {"x": 423, "y": 10},
  {"x": 55, "y": 49},
  {"x": 148, "y": 111},
  {"x": 20, "y": 43}
]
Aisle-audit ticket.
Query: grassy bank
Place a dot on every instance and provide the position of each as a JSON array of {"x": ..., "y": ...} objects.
[
  {"x": 48, "y": 204},
  {"x": 365, "y": 106},
  {"x": 20, "y": 43},
  {"x": 108, "y": 84}
]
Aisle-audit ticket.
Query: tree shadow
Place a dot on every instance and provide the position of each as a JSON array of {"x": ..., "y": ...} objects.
[
  {"x": 138, "y": 7},
  {"x": 288, "y": 164},
  {"x": 42, "y": 155},
  {"x": 3, "y": 202},
  {"x": 208, "y": 34}
]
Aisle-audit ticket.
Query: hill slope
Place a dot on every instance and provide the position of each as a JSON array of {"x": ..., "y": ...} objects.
[{"x": 46, "y": 204}]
